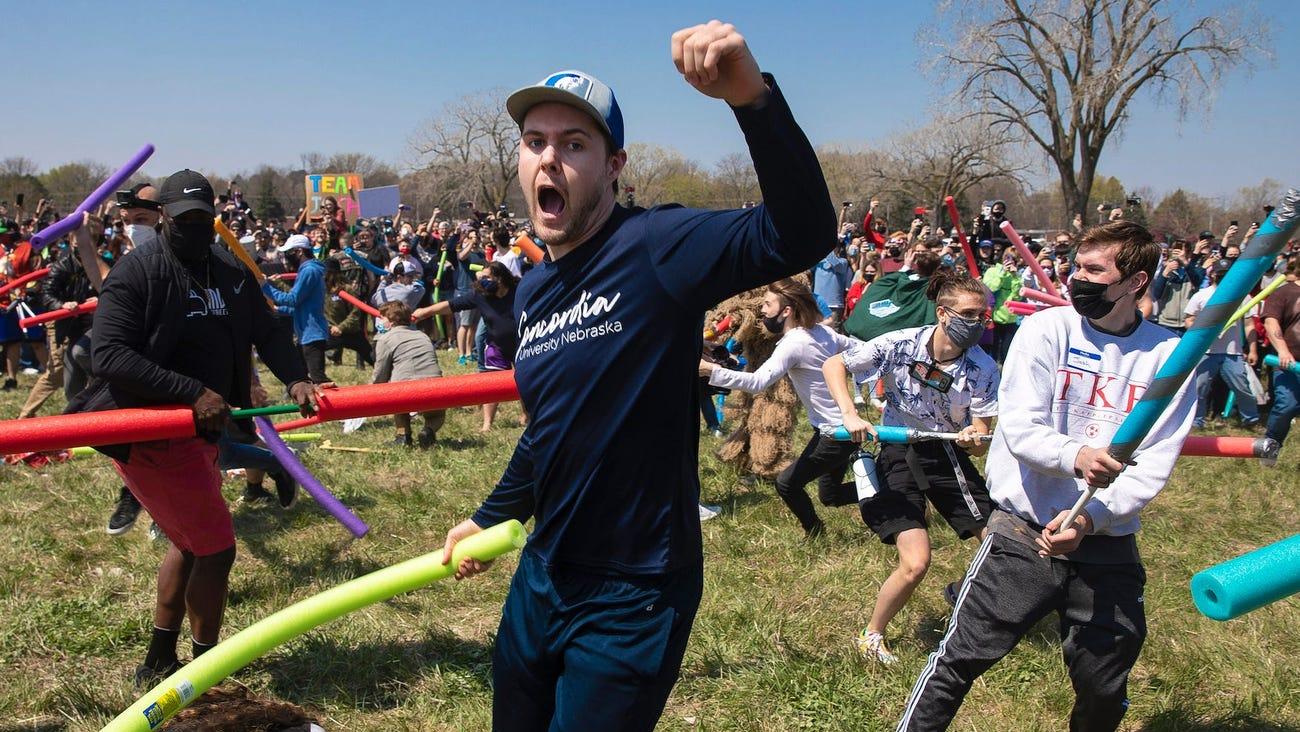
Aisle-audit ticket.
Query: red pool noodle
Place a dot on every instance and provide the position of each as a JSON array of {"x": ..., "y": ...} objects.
[
  {"x": 1043, "y": 297},
  {"x": 972, "y": 266},
  {"x": 421, "y": 395},
  {"x": 86, "y": 307},
  {"x": 362, "y": 306},
  {"x": 1014, "y": 237},
  {"x": 297, "y": 424},
  {"x": 1022, "y": 308},
  {"x": 1209, "y": 446},
  {"x": 286, "y": 277},
  {"x": 723, "y": 326},
  {"x": 120, "y": 426},
  {"x": 63, "y": 431},
  {"x": 20, "y": 281}
]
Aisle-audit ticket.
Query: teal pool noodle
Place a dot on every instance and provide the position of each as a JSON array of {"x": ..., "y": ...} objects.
[
  {"x": 884, "y": 433},
  {"x": 1249, "y": 582},
  {"x": 1275, "y": 362}
]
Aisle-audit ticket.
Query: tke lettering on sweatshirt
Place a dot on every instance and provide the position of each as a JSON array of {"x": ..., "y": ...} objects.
[{"x": 1103, "y": 396}]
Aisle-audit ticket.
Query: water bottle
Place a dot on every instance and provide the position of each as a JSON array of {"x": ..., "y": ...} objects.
[{"x": 864, "y": 474}]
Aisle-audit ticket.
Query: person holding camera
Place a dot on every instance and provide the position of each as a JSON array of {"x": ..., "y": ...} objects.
[{"x": 1177, "y": 279}]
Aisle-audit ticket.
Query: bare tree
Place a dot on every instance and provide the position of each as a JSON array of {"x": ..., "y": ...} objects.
[
  {"x": 947, "y": 157},
  {"x": 470, "y": 151},
  {"x": 18, "y": 166},
  {"x": 649, "y": 169},
  {"x": 735, "y": 182},
  {"x": 1063, "y": 72}
]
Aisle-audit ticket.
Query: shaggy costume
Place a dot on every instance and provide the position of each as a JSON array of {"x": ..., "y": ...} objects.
[{"x": 760, "y": 441}]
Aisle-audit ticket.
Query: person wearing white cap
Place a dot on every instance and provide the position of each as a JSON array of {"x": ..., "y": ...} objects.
[
  {"x": 599, "y": 612},
  {"x": 305, "y": 302}
]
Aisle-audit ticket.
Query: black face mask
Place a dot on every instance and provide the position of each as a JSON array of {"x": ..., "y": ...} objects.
[
  {"x": 774, "y": 324},
  {"x": 192, "y": 240},
  {"x": 1089, "y": 299}
]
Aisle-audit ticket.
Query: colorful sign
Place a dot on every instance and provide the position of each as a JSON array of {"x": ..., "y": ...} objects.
[{"x": 342, "y": 186}]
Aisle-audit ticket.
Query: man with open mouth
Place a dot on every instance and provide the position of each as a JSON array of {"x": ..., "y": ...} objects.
[{"x": 599, "y": 611}]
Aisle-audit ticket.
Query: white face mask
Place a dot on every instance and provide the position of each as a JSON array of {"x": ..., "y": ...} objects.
[{"x": 139, "y": 234}]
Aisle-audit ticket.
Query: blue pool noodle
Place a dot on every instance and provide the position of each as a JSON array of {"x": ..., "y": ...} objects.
[{"x": 1249, "y": 582}]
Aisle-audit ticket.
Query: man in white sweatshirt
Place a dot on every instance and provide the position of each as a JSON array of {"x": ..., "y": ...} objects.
[{"x": 1071, "y": 377}]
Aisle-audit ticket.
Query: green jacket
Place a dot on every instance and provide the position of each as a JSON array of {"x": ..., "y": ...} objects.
[
  {"x": 1005, "y": 284},
  {"x": 895, "y": 301}
]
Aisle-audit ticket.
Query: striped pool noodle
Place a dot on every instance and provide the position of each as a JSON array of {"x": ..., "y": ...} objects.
[
  {"x": 61, "y": 314},
  {"x": 1252, "y": 302},
  {"x": 1263, "y": 248},
  {"x": 299, "y": 472},
  {"x": 1030, "y": 259},
  {"x": 365, "y": 263},
  {"x": 20, "y": 281},
  {"x": 358, "y": 303},
  {"x": 1275, "y": 362},
  {"x": 972, "y": 266},
  {"x": 73, "y": 221},
  {"x": 1043, "y": 297}
]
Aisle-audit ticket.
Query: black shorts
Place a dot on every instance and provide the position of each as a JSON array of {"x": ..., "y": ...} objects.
[{"x": 943, "y": 474}]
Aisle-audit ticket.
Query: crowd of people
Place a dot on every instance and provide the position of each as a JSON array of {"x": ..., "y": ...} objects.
[{"x": 604, "y": 336}]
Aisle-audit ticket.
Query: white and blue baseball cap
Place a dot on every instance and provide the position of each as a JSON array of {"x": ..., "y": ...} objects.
[{"x": 577, "y": 89}]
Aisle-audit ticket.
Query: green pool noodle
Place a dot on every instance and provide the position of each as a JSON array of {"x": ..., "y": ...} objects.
[
  {"x": 1249, "y": 582},
  {"x": 178, "y": 690},
  {"x": 264, "y": 411}
]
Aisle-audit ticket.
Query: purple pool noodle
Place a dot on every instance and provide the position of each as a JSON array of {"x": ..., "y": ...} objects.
[
  {"x": 289, "y": 461},
  {"x": 72, "y": 221}
]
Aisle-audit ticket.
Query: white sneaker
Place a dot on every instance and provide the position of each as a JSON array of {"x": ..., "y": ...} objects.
[
  {"x": 708, "y": 512},
  {"x": 30, "y": 371},
  {"x": 858, "y": 400},
  {"x": 717, "y": 433},
  {"x": 872, "y": 647}
]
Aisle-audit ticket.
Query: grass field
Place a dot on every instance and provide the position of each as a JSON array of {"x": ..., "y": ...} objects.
[{"x": 771, "y": 646}]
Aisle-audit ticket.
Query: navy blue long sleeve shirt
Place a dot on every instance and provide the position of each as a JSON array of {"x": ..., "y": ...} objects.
[{"x": 608, "y": 357}]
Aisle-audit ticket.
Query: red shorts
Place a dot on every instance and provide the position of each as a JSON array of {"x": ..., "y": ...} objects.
[{"x": 178, "y": 483}]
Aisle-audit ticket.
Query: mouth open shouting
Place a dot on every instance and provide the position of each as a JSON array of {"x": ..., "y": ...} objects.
[{"x": 551, "y": 205}]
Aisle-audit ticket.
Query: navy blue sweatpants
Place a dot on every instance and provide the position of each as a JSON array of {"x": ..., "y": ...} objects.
[{"x": 580, "y": 651}]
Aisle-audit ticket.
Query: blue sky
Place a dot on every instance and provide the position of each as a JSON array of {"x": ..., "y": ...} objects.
[{"x": 226, "y": 86}]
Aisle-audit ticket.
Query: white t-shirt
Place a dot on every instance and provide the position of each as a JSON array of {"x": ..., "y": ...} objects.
[
  {"x": 1066, "y": 384},
  {"x": 910, "y": 403},
  {"x": 800, "y": 353},
  {"x": 511, "y": 260},
  {"x": 1229, "y": 342}
]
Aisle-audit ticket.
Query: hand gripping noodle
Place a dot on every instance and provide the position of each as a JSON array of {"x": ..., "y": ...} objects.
[{"x": 178, "y": 690}]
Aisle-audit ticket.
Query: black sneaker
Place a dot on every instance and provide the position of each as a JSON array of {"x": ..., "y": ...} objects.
[
  {"x": 146, "y": 676},
  {"x": 256, "y": 495},
  {"x": 10, "y": 385},
  {"x": 816, "y": 531},
  {"x": 124, "y": 515},
  {"x": 426, "y": 438},
  {"x": 286, "y": 488},
  {"x": 950, "y": 593}
]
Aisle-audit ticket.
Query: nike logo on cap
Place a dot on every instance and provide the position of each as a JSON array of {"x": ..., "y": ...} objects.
[{"x": 190, "y": 190}]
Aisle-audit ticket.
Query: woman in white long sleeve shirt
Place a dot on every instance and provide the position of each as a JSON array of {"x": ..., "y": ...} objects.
[{"x": 790, "y": 309}]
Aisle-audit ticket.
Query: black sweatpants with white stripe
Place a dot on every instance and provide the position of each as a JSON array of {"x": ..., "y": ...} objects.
[{"x": 1008, "y": 589}]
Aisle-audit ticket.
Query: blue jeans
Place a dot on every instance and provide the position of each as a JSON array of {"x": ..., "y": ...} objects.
[
  {"x": 1232, "y": 369},
  {"x": 1286, "y": 404}
]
